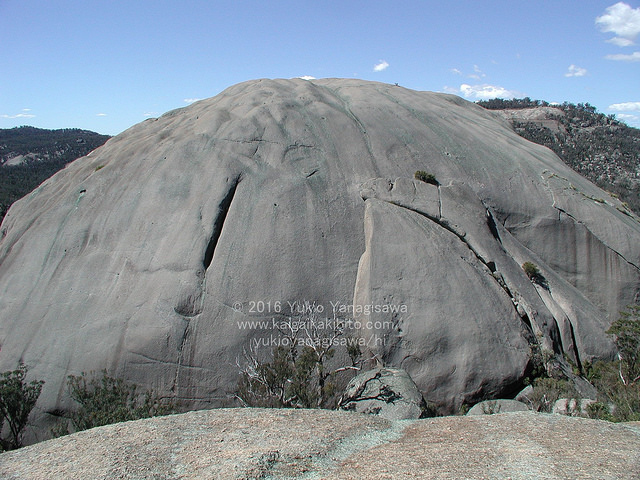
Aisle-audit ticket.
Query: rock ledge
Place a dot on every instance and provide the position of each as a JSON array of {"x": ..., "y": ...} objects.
[{"x": 261, "y": 443}]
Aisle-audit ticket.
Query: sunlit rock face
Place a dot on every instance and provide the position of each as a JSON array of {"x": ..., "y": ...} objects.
[{"x": 145, "y": 257}]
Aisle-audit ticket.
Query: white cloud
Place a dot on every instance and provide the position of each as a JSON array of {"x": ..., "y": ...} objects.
[
  {"x": 19, "y": 115},
  {"x": 478, "y": 73},
  {"x": 575, "y": 71},
  {"x": 629, "y": 119},
  {"x": 456, "y": 71},
  {"x": 307, "y": 77},
  {"x": 621, "y": 42},
  {"x": 101, "y": 114},
  {"x": 486, "y": 92},
  {"x": 625, "y": 106},
  {"x": 621, "y": 20},
  {"x": 380, "y": 66},
  {"x": 634, "y": 57},
  {"x": 191, "y": 100}
]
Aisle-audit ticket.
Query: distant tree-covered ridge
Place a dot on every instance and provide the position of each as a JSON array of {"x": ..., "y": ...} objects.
[
  {"x": 29, "y": 155},
  {"x": 597, "y": 146}
]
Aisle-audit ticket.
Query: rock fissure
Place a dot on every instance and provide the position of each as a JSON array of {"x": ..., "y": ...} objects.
[
  {"x": 576, "y": 220},
  {"x": 364, "y": 385},
  {"x": 179, "y": 361},
  {"x": 385, "y": 394},
  {"x": 493, "y": 228},
  {"x": 151, "y": 360},
  {"x": 347, "y": 109},
  {"x": 576, "y": 352},
  {"x": 444, "y": 224},
  {"x": 630, "y": 263},
  {"x": 249, "y": 142},
  {"x": 258, "y": 141},
  {"x": 218, "y": 224}
]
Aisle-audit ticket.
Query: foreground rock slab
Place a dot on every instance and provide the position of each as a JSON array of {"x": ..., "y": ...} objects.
[{"x": 260, "y": 443}]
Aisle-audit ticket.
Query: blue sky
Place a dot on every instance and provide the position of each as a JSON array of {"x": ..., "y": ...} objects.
[{"x": 106, "y": 65}]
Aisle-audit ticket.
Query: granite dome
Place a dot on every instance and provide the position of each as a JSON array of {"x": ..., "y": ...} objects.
[{"x": 144, "y": 256}]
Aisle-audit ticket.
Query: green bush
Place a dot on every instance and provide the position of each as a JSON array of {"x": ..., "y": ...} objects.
[
  {"x": 109, "y": 400},
  {"x": 617, "y": 402},
  {"x": 17, "y": 399},
  {"x": 618, "y": 382},
  {"x": 533, "y": 272},
  {"x": 600, "y": 411},
  {"x": 546, "y": 391},
  {"x": 426, "y": 177},
  {"x": 530, "y": 269},
  {"x": 626, "y": 333}
]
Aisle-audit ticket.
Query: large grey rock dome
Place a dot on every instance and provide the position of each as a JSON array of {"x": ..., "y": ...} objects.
[{"x": 142, "y": 257}]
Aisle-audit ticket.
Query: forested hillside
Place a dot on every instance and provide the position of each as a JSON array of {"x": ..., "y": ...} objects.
[
  {"x": 30, "y": 155},
  {"x": 598, "y": 146}
]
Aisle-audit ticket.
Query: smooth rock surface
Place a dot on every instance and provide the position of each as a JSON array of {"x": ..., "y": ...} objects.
[
  {"x": 313, "y": 444},
  {"x": 387, "y": 392},
  {"x": 148, "y": 256}
]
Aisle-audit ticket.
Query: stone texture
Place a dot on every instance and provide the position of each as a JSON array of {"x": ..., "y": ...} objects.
[
  {"x": 489, "y": 407},
  {"x": 142, "y": 257},
  {"x": 387, "y": 392},
  {"x": 280, "y": 444}
]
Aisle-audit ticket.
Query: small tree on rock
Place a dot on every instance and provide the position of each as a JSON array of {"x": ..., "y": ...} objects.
[
  {"x": 535, "y": 275},
  {"x": 17, "y": 399},
  {"x": 626, "y": 334},
  {"x": 618, "y": 382},
  {"x": 426, "y": 177}
]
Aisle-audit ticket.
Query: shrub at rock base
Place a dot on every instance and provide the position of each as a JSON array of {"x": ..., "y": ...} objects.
[
  {"x": 109, "y": 400},
  {"x": 17, "y": 399}
]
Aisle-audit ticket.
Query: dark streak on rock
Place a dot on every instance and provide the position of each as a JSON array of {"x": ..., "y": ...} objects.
[{"x": 223, "y": 210}]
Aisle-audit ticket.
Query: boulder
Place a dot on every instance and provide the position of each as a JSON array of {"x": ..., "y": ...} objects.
[
  {"x": 524, "y": 395},
  {"x": 178, "y": 245},
  {"x": 387, "y": 392},
  {"x": 490, "y": 407},
  {"x": 572, "y": 406}
]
